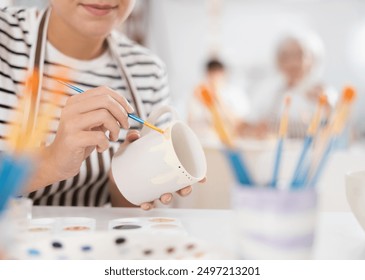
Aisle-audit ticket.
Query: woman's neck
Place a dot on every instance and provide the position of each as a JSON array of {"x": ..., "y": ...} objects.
[{"x": 71, "y": 43}]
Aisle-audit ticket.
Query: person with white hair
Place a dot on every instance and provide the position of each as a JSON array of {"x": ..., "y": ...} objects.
[{"x": 299, "y": 61}]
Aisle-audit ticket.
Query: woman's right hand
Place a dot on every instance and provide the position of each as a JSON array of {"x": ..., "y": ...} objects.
[{"x": 85, "y": 119}]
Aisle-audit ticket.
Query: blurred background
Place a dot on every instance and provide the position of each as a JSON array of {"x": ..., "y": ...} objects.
[
  {"x": 244, "y": 34},
  {"x": 260, "y": 50}
]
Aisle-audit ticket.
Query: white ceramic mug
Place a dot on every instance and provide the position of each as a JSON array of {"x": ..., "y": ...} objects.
[
  {"x": 159, "y": 163},
  {"x": 355, "y": 192}
]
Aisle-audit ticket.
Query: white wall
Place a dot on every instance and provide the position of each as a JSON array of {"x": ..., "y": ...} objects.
[
  {"x": 4, "y": 3},
  {"x": 179, "y": 35},
  {"x": 30, "y": 3}
]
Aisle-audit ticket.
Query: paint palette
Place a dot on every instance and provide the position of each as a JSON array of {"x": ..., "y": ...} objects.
[
  {"x": 152, "y": 225},
  {"x": 61, "y": 225},
  {"x": 76, "y": 224},
  {"x": 43, "y": 225},
  {"x": 113, "y": 245}
]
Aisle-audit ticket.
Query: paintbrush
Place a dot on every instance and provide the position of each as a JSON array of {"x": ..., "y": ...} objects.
[
  {"x": 218, "y": 122},
  {"x": 300, "y": 171},
  {"x": 235, "y": 158},
  {"x": 334, "y": 130},
  {"x": 283, "y": 130},
  {"x": 14, "y": 172},
  {"x": 132, "y": 116},
  {"x": 16, "y": 168}
]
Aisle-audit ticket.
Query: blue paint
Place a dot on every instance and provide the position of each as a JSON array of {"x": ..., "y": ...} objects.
[
  {"x": 33, "y": 252},
  {"x": 86, "y": 248}
]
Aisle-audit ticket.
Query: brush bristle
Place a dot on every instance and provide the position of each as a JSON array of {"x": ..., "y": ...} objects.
[
  {"x": 322, "y": 100},
  {"x": 206, "y": 97},
  {"x": 349, "y": 94}
]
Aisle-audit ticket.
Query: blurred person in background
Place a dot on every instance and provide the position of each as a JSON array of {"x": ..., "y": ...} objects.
[
  {"x": 299, "y": 59},
  {"x": 232, "y": 105}
]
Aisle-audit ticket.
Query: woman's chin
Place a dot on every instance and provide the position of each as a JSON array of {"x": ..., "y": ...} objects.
[{"x": 97, "y": 31}]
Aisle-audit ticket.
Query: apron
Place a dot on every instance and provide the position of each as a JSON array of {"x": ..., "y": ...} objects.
[{"x": 36, "y": 68}]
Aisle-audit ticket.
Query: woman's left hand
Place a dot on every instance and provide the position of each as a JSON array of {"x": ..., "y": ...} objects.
[{"x": 167, "y": 197}]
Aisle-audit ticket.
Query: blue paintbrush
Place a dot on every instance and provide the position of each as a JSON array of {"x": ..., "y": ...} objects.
[
  {"x": 14, "y": 172},
  {"x": 301, "y": 170},
  {"x": 282, "y": 134},
  {"x": 134, "y": 117}
]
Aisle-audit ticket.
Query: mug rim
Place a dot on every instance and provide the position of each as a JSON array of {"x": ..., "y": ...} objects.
[
  {"x": 355, "y": 173},
  {"x": 170, "y": 128}
]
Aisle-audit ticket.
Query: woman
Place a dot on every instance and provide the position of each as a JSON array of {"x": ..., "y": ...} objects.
[
  {"x": 78, "y": 40},
  {"x": 299, "y": 61}
]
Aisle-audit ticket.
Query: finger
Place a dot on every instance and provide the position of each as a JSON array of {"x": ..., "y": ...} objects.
[
  {"x": 99, "y": 118},
  {"x": 166, "y": 198},
  {"x": 85, "y": 139},
  {"x": 203, "y": 180},
  {"x": 95, "y": 103},
  {"x": 147, "y": 206},
  {"x": 99, "y": 91},
  {"x": 132, "y": 136},
  {"x": 185, "y": 191}
]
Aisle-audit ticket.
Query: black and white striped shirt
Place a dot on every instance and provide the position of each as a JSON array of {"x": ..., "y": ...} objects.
[{"x": 17, "y": 27}]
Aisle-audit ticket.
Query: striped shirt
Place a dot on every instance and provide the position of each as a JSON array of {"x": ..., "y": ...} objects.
[{"x": 17, "y": 27}]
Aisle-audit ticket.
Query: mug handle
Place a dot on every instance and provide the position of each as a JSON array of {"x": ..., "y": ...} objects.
[{"x": 156, "y": 114}]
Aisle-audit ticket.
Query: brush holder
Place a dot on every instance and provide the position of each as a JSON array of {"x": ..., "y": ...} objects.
[
  {"x": 274, "y": 224},
  {"x": 355, "y": 192}
]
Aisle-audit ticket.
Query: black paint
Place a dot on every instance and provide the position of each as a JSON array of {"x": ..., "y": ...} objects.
[
  {"x": 57, "y": 245},
  {"x": 127, "y": 227},
  {"x": 120, "y": 240},
  {"x": 147, "y": 252}
]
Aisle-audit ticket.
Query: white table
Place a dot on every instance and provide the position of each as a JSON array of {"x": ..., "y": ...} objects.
[{"x": 339, "y": 236}]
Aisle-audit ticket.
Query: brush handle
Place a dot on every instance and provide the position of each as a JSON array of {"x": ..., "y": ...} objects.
[
  {"x": 137, "y": 119},
  {"x": 322, "y": 163},
  {"x": 13, "y": 175},
  {"x": 299, "y": 170},
  {"x": 277, "y": 163},
  {"x": 239, "y": 168},
  {"x": 75, "y": 88}
]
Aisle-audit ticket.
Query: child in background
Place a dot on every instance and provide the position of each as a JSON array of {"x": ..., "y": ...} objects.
[{"x": 232, "y": 106}]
